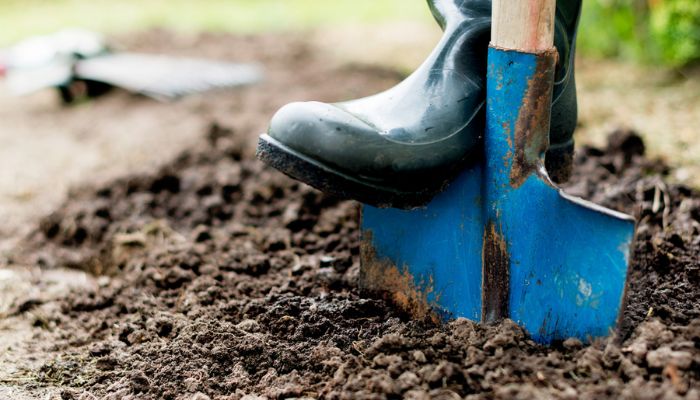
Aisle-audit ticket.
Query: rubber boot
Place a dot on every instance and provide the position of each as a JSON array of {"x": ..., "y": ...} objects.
[{"x": 401, "y": 147}]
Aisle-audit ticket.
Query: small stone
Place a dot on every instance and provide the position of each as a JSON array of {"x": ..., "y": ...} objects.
[
  {"x": 419, "y": 356},
  {"x": 408, "y": 380},
  {"x": 572, "y": 344},
  {"x": 462, "y": 329},
  {"x": 249, "y": 325}
]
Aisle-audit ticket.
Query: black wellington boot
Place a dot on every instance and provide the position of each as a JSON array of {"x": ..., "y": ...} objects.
[{"x": 401, "y": 147}]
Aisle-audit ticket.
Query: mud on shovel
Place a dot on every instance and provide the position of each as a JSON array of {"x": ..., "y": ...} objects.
[{"x": 503, "y": 241}]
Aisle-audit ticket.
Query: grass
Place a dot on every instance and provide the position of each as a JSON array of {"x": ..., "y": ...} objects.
[{"x": 22, "y": 18}]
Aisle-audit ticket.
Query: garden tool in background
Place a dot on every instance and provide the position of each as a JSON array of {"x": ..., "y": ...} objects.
[
  {"x": 503, "y": 241},
  {"x": 79, "y": 63}
]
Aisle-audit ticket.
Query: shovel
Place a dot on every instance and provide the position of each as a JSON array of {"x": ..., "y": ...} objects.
[{"x": 503, "y": 241}]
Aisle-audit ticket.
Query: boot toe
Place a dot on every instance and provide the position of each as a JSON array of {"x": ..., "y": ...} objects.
[
  {"x": 324, "y": 133},
  {"x": 304, "y": 124}
]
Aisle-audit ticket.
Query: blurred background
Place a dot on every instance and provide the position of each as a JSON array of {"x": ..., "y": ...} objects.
[
  {"x": 650, "y": 31},
  {"x": 637, "y": 68}
]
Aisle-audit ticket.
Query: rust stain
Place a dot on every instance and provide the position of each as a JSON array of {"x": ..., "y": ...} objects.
[
  {"x": 495, "y": 287},
  {"x": 509, "y": 154},
  {"x": 397, "y": 284},
  {"x": 532, "y": 127},
  {"x": 507, "y": 158}
]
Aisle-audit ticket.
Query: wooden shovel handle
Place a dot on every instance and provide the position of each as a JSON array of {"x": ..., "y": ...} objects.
[{"x": 523, "y": 25}]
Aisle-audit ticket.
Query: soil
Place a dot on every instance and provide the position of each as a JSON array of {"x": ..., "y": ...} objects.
[{"x": 219, "y": 278}]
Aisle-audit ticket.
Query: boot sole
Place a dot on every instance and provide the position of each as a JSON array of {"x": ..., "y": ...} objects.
[
  {"x": 558, "y": 162},
  {"x": 331, "y": 181}
]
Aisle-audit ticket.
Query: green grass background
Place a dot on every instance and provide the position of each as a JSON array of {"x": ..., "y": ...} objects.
[
  {"x": 20, "y": 18},
  {"x": 650, "y": 31}
]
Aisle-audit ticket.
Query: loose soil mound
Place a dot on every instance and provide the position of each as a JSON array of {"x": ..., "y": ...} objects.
[{"x": 224, "y": 278}]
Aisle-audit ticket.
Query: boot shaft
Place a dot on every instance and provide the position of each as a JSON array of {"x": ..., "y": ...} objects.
[
  {"x": 452, "y": 12},
  {"x": 448, "y": 12}
]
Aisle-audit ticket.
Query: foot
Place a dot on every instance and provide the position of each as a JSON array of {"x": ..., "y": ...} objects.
[{"x": 401, "y": 147}]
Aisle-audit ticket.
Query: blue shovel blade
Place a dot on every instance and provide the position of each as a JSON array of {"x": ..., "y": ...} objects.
[
  {"x": 568, "y": 265},
  {"x": 437, "y": 250}
]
